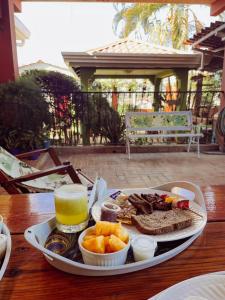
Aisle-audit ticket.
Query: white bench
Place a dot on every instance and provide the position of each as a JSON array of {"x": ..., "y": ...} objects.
[{"x": 161, "y": 125}]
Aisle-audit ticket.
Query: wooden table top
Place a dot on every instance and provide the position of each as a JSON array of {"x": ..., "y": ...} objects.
[{"x": 29, "y": 276}]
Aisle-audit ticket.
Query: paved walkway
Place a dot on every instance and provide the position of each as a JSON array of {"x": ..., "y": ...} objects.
[{"x": 148, "y": 169}]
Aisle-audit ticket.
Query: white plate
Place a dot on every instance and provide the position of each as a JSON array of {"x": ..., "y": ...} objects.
[
  {"x": 197, "y": 225},
  {"x": 208, "y": 287}
]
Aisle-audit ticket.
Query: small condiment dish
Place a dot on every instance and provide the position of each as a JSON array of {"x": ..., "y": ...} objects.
[
  {"x": 98, "y": 259},
  {"x": 143, "y": 247},
  {"x": 1, "y": 223},
  {"x": 3, "y": 245},
  {"x": 3, "y": 240}
]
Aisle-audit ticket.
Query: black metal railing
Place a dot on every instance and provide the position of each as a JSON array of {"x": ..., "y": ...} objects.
[{"x": 98, "y": 117}]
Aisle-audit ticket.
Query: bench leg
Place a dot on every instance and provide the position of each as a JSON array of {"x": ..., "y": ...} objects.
[
  {"x": 189, "y": 144},
  {"x": 198, "y": 147},
  {"x": 128, "y": 147}
]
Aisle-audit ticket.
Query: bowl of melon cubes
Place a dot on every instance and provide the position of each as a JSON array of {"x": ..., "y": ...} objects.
[{"x": 105, "y": 244}]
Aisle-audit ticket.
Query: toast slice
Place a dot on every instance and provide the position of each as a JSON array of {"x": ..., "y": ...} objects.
[{"x": 160, "y": 222}]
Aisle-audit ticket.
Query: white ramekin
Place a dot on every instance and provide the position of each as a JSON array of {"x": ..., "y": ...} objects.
[
  {"x": 143, "y": 247},
  {"x": 1, "y": 223},
  {"x": 98, "y": 259},
  {"x": 3, "y": 240}
]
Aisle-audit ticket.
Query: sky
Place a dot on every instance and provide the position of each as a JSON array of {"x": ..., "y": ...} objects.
[{"x": 57, "y": 27}]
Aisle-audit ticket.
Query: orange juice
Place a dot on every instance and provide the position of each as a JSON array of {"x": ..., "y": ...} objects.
[{"x": 71, "y": 206}]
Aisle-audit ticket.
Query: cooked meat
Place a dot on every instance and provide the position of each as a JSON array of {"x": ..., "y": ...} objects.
[
  {"x": 157, "y": 202},
  {"x": 142, "y": 206}
]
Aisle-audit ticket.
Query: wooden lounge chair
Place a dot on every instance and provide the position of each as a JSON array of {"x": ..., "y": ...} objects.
[{"x": 16, "y": 176}]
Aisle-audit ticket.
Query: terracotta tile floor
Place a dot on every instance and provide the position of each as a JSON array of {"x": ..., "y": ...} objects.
[{"x": 148, "y": 169}]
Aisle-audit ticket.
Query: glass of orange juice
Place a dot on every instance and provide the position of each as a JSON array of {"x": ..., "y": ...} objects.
[{"x": 71, "y": 207}]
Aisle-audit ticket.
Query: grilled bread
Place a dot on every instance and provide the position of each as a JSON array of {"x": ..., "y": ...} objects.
[{"x": 160, "y": 222}]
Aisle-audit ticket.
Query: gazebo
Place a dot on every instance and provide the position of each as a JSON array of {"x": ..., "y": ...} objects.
[
  {"x": 129, "y": 59},
  {"x": 8, "y": 55}
]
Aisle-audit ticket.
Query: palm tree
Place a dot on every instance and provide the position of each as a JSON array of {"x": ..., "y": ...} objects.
[{"x": 165, "y": 24}]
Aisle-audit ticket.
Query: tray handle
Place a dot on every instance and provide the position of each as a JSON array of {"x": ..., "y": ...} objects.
[
  {"x": 33, "y": 240},
  {"x": 48, "y": 257},
  {"x": 30, "y": 236}
]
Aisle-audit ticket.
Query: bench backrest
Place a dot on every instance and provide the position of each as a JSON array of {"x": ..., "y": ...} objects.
[{"x": 153, "y": 121}]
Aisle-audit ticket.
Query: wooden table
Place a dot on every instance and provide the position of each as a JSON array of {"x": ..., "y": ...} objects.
[{"x": 29, "y": 276}]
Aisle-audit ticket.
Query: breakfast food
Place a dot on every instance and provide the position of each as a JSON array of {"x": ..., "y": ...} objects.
[
  {"x": 143, "y": 247},
  {"x": 127, "y": 209},
  {"x": 106, "y": 237},
  {"x": 142, "y": 206},
  {"x": 109, "y": 212},
  {"x": 160, "y": 222},
  {"x": 153, "y": 213}
]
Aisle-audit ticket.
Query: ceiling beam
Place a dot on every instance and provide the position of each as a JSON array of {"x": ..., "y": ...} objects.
[
  {"x": 217, "y": 7},
  {"x": 207, "y": 2},
  {"x": 17, "y": 5},
  {"x": 207, "y": 36}
]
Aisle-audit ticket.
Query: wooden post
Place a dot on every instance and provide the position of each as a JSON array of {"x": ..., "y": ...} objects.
[
  {"x": 182, "y": 78},
  {"x": 221, "y": 139},
  {"x": 8, "y": 54},
  {"x": 157, "y": 100},
  {"x": 86, "y": 76},
  {"x": 222, "y": 102}
]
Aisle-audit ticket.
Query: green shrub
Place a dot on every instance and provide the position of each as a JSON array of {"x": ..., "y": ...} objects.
[{"x": 24, "y": 114}]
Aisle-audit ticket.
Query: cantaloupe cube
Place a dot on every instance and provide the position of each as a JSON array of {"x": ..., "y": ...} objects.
[
  {"x": 96, "y": 244},
  {"x": 91, "y": 231},
  {"x": 107, "y": 246},
  {"x": 88, "y": 237},
  {"x": 115, "y": 243},
  {"x": 106, "y": 228},
  {"x": 122, "y": 234}
]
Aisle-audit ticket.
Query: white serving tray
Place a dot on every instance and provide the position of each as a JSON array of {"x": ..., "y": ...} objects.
[
  {"x": 36, "y": 235},
  {"x": 3, "y": 267}
]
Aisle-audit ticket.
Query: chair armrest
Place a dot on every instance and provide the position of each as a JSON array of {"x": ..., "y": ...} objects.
[
  {"x": 51, "y": 151},
  {"x": 85, "y": 177},
  {"x": 39, "y": 174},
  {"x": 27, "y": 154}
]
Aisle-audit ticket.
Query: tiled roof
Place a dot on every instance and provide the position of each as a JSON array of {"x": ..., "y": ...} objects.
[
  {"x": 128, "y": 46},
  {"x": 38, "y": 62}
]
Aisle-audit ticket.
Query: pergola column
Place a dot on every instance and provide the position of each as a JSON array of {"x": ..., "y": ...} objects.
[
  {"x": 8, "y": 54},
  {"x": 156, "y": 104},
  {"x": 86, "y": 77},
  {"x": 182, "y": 79}
]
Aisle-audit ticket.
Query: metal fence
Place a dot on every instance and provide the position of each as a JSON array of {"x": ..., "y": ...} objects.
[{"x": 98, "y": 117}]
